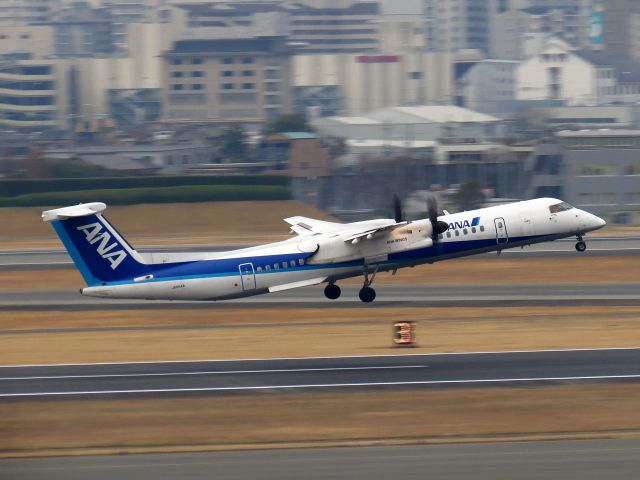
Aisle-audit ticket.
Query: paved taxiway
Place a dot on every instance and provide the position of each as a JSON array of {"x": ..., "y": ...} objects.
[
  {"x": 38, "y": 259},
  {"x": 392, "y": 371},
  {"x": 576, "y": 294},
  {"x": 567, "y": 460}
]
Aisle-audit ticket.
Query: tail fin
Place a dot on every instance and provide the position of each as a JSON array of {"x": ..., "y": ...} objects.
[{"x": 101, "y": 254}]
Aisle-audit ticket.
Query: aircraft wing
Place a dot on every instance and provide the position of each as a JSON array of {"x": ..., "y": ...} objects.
[{"x": 306, "y": 226}]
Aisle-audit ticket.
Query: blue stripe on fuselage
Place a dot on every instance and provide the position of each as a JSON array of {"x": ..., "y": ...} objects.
[{"x": 230, "y": 266}]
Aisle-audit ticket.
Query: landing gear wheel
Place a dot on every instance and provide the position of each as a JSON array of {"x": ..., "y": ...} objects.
[
  {"x": 581, "y": 246},
  {"x": 367, "y": 294},
  {"x": 332, "y": 291}
]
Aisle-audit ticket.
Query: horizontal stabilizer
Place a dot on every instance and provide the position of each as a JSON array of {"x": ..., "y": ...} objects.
[
  {"x": 303, "y": 283},
  {"x": 80, "y": 210}
]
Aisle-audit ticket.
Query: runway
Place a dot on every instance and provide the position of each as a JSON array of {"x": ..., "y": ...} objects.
[
  {"x": 566, "y": 460},
  {"x": 57, "y": 258},
  {"x": 303, "y": 374},
  {"x": 389, "y": 295}
]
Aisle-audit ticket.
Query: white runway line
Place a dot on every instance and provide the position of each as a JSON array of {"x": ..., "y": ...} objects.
[{"x": 332, "y": 385}]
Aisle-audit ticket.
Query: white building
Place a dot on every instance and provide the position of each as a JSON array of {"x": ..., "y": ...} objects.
[{"x": 557, "y": 73}]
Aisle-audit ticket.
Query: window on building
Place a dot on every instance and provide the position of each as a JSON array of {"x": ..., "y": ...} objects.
[
  {"x": 227, "y": 61},
  {"x": 196, "y": 61},
  {"x": 247, "y": 60},
  {"x": 247, "y": 73},
  {"x": 177, "y": 86},
  {"x": 228, "y": 73},
  {"x": 248, "y": 86},
  {"x": 176, "y": 74},
  {"x": 227, "y": 86},
  {"x": 197, "y": 74},
  {"x": 197, "y": 86},
  {"x": 176, "y": 61}
]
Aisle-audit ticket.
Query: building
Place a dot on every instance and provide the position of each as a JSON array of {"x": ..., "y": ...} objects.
[
  {"x": 241, "y": 80},
  {"x": 26, "y": 12},
  {"x": 82, "y": 31},
  {"x": 443, "y": 133},
  {"x": 36, "y": 40},
  {"x": 557, "y": 73},
  {"x": 620, "y": 18},
  {"x": 457, "y": 25},
  {"x": 165, "y": 158},
  {"x": 34, "y": 93},
  {"x": 370, "y": 82},
  {"x": 597, "y": 170},
  {"x": 488, "y": 87},
  {"x": 320, "y": 26}
]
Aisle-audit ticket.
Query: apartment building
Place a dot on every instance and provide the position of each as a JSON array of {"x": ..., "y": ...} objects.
[{"x": 244, "y": 80}]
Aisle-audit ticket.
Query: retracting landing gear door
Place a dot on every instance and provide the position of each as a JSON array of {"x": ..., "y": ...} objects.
[{"x": 247, "y": 276}]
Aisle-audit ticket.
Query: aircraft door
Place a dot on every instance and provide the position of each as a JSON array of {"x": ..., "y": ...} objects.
[
  {"x": 247, "y": 276},
  {"x": 501, "y": 230}
]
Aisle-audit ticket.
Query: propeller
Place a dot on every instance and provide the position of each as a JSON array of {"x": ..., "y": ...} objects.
[
  {"x": 437, "y": 226},
  {"x": 397, "y": 208}
]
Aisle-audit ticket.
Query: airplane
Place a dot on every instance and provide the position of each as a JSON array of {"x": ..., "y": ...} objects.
[{"x": 320, "y": 252}]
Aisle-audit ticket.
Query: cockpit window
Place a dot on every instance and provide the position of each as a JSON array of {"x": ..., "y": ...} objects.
[{"x": 560, "y": 207}]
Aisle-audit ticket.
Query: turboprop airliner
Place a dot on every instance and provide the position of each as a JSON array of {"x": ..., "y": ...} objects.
[{"x": 319, "y": 252}]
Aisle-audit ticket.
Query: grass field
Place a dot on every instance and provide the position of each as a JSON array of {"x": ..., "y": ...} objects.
[
  {"x": 75, "y": 337},
  {"x": 286, "y": 420},
  {"x": 209, "y": 222}
]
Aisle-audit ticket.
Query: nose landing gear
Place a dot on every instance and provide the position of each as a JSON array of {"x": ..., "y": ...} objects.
[{"x": 581, "y": 246}]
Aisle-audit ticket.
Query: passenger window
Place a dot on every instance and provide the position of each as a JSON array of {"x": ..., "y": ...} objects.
[
  {"x": 276, "y": 266},
  {"x": 259, "y": 269},
  {"x": 448, "y": 234},
  {"x": 292, "y": 263},
  {"x": 473, "y": 229},
  {"x": 465, "y": 231},
  {"x": 457, "y": 233},
  {"x": 482, "y": 228},
  {"x": 284, "y": 264},
  {"x": 440, "y": 237},
  {"x": 267, "y": 268},
  {"x": 301, "y": 262}
]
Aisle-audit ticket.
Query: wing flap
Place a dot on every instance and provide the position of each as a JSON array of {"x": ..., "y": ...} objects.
[{"x": 303, "y": 283}]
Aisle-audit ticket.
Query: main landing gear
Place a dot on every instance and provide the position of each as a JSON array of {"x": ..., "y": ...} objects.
[
  {"x": 368, "y": 294},
  {"x": 332, "y": 291},
  {"x": 580, "y": 245}
]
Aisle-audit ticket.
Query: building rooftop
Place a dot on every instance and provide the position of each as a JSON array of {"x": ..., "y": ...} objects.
[{"x": 605, "y": 132}]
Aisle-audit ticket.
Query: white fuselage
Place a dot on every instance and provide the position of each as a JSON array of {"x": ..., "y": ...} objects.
[{"x": 312, "y": 258}]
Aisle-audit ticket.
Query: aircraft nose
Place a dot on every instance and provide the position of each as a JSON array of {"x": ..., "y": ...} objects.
[{"x": 595, "y": 222}]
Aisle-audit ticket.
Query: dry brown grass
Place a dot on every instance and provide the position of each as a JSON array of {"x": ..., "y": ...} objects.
[
  {"x": 299, "y": 332},
  {"x": 462, "y": 271},
  {"x": 325, "y": 418},
  {"x": 209, "y": 222}
]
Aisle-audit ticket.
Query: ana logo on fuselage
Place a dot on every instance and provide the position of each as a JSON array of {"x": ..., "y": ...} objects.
[
  {"x": 465, "y": 223},
  {"x": 94, "y": 234}
]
